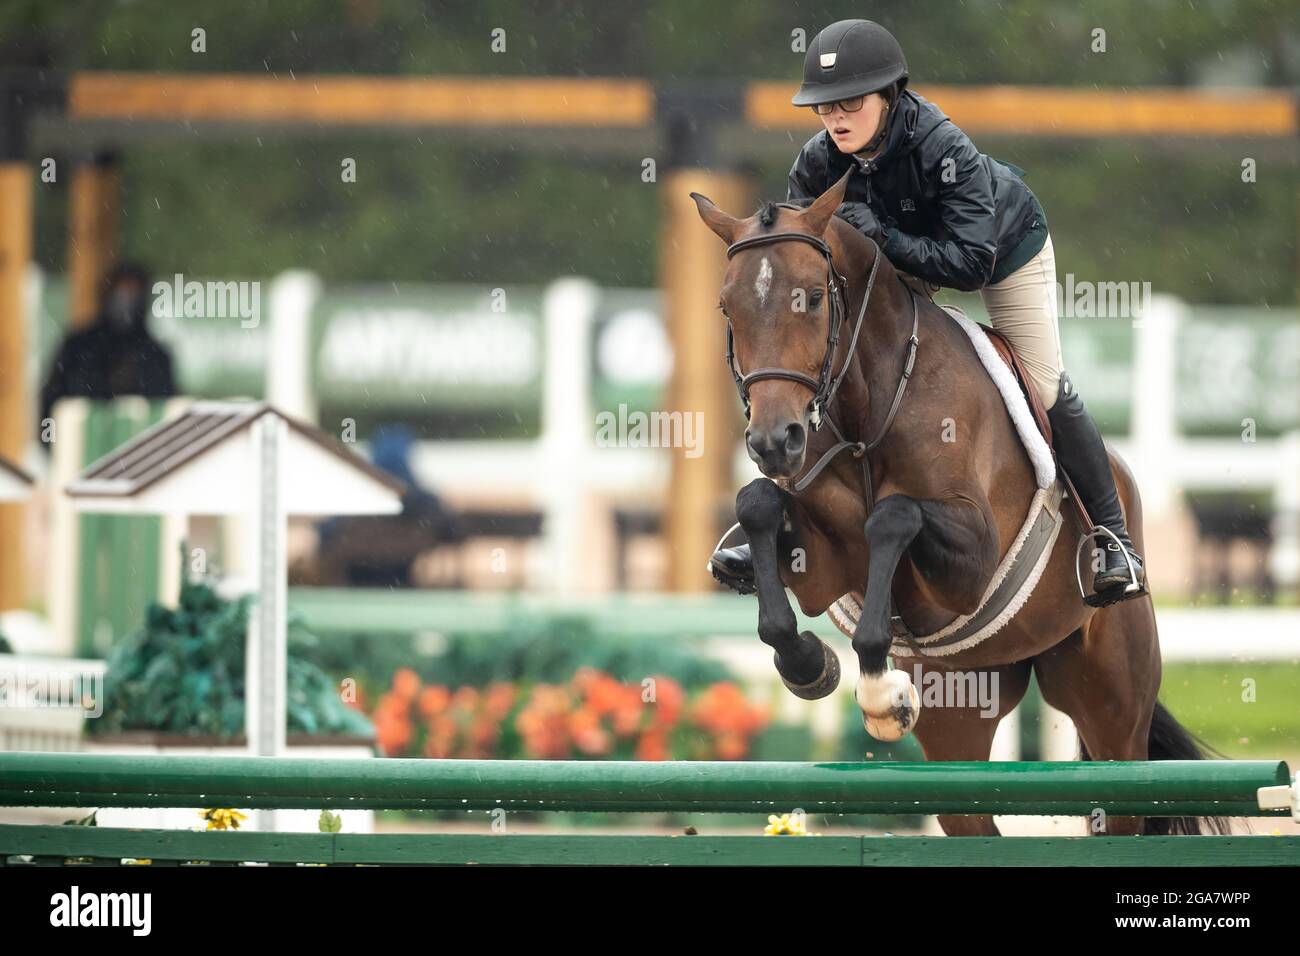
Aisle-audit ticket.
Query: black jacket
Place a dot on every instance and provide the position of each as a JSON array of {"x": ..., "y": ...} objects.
[
  {"x": 101, "y": 362},
  {"x": 950, "y": 214}
]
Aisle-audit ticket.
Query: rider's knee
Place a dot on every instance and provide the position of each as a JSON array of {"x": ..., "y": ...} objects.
[{"x": 1047, "y": 382}]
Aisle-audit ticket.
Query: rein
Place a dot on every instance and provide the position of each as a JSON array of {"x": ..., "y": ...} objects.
[{"x": 827, "y": 384}]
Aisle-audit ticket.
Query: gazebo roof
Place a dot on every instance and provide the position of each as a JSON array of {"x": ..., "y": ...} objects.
[
  {"x": 160, "y": 468},
  {"x": 15, "y": 484}
]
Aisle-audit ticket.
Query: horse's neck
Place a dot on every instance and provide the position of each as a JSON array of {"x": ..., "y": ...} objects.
[{"x": 881, "y": 347}]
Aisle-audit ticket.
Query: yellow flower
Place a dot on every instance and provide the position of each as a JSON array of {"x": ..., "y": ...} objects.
[
  {"x": 222, "y": 819},
  {"x": 787, "y": 824}
]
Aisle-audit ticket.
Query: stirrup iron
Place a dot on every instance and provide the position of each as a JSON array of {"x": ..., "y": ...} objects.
[
  {"x": 1093, "y": 599},
  {"x": 708, "y": 565}
]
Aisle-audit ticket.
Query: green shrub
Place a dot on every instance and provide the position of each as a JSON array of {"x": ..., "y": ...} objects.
[{"x": 184, "y": 673}]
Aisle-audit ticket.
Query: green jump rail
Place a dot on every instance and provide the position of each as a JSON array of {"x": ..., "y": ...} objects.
[{"x": 1165, "y": 788}]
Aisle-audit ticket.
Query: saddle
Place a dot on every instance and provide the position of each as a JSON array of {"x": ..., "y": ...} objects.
[
  {"x": 1008, "y": 354},
  {"x": 1002, "y": 345}
]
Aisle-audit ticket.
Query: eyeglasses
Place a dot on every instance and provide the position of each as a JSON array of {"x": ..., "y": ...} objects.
[{"x": 851, "y": 105}]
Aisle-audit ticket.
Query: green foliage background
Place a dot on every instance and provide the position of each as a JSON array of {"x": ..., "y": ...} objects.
[{"x": 485, "y": 206}]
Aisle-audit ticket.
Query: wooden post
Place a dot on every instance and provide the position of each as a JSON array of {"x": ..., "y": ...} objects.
[
  {"x": 15, "y": 424},
  {"x": 92, "y": 235},
  {"x": 692, "y": 264}
]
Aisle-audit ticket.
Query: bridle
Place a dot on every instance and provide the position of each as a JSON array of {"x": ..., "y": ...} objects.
[{"x": 827, "y": 383}]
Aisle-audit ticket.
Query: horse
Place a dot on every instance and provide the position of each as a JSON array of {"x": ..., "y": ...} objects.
[{"x": 920, "y": 512}]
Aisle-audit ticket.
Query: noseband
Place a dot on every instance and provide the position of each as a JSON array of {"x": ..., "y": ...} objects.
[{"x": 826, "y": 384}]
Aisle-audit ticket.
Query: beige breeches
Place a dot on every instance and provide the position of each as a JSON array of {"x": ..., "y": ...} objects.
[{"x": 1023, "y": 308}]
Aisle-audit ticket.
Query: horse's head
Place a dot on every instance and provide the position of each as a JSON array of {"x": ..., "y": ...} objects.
[{"x": 778, "y": 302}]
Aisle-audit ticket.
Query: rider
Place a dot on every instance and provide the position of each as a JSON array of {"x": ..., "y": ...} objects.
[{"x": 947, "y": 214}]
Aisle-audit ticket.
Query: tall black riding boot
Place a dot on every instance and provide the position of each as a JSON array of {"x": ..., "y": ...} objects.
[{"x": 1081, "y": 453}]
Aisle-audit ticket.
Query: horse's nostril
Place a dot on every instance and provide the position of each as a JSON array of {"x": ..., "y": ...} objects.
[{"x": 795, "y": 436}]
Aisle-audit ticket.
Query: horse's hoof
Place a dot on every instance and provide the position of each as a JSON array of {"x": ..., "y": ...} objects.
[
  {"x": 889, "y": 703},
  {"x": 825, "y": 683}
]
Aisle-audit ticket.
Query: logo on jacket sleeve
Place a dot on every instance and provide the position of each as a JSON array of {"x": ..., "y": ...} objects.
[{"x": 907, "y": 205}]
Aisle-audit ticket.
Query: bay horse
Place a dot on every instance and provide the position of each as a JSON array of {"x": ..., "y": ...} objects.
[{"x": 921, "y": 511}]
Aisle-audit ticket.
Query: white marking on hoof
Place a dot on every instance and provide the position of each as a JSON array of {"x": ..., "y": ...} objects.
[{"x": 889, "y": 704}]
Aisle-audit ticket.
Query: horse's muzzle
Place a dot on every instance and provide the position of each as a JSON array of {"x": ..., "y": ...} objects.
[{"x": 779, "y": 451}]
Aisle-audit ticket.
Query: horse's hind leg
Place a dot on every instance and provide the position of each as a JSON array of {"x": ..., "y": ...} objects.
[
  {"x": 1106, "y": 676},
  {"x": 807, "y": 666},
  {"x": 959, "y": 718}
]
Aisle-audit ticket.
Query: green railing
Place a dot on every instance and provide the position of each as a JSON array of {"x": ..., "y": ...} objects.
[{"x": 1167, "y": 788}]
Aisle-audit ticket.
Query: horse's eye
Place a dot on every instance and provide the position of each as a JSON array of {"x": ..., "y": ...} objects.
[{"x": 815, "y": 297}]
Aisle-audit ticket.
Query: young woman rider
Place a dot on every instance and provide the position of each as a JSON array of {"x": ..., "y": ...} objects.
[{"x": 948, "y": 214}]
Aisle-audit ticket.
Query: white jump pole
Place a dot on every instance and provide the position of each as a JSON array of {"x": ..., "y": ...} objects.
[{"x": 266, "y": 660}]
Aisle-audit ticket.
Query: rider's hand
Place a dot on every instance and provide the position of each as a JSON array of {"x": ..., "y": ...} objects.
[{"x": 860, "y": 216}]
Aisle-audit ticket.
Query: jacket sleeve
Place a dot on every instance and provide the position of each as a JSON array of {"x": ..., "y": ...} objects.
[
  {"x": 964, "y": 260},
  {"x": 162, "y": 381}
]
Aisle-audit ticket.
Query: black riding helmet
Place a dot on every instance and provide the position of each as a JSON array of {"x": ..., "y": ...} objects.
[{"x": 851, "y": 58}]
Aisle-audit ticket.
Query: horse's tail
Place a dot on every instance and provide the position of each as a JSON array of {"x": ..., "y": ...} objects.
[{"x": 1170, "y": 740}]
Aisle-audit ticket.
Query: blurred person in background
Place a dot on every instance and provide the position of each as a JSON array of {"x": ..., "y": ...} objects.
[
  {"x": 114, "y": 355},
  {"x": 380, "y": 550}
]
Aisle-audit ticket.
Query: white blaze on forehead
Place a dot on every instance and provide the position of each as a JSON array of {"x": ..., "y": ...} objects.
[{"x": 764, "y": 281}]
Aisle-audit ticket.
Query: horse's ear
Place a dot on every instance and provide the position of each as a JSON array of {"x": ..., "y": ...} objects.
[
  {"x": 717, "y": 220},
  {"x": 818, "y": 216}
]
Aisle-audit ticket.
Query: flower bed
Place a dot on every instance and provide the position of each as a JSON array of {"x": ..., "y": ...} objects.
[{"x": 592, "y": 715}]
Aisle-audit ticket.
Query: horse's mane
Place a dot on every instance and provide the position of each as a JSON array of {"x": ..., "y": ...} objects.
[
  {"x": 769, "y": 209},
  {"x": 767, "y": 214}
]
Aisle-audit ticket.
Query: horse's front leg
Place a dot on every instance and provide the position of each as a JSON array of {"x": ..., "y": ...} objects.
[
  {"x": 806, "y": 665},
  {"x": 949, "y": 547}
]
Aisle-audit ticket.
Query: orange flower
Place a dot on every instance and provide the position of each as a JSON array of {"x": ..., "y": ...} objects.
[
  {"x": 583, "y": 719},
  {"x": 483, "y": 733},
  {"x": 500, "y": 697},
  {"x": 584, "y": 677},
  {"x": 602, "y": 692},
  {"x": 433, "y": 700},
  {"x": 731, "y": 747},
  {"x": 723, "y": 710},
  {"x": 628, "y": 717},
  {"x": 437, "y": 748},
  {"x": 465, "y": 698},
  {"x": 392, "y": 733},
  {"x": 405, "y": 683},
  {"x": 651, "y": 746},
  {"x": 543, "y": 723},
  {"x": 668, "y": 702}
]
